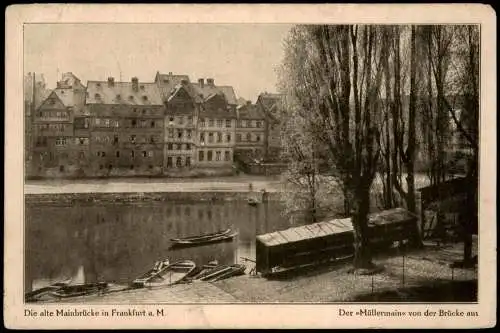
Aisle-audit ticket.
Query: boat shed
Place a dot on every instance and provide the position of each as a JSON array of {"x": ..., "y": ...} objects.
[{"x": 329, "y": 240}]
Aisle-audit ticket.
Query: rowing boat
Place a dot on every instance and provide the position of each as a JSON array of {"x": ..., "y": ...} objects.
[
  {"x": 204, "y": 239},
  {"x": 171, "y": 274}
]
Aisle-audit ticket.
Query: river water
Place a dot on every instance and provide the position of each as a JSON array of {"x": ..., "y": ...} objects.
[{"x": 117, "y": 242}]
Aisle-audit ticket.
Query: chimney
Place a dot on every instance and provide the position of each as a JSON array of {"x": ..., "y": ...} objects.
[
  {"x": 201, "y": 82},
  {"x": 170, "y": 73},
  {"x": 111, "y": 81},
  {"x": 210, "y": 82},
  {"x": 135, "y": 84},
  {"x": 249, "y": 102}
]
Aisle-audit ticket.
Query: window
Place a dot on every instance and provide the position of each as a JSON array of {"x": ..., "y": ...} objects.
[
  {"x": 249, "y": 137},
  {"x": 226, "y": 156},
  {"x": 188, "y": 163},
  {"x": 202, "y": 137},
  {"x": 169, "y": 147},
  {"x": 228, "y": 123},
  {"x": 228, "y": 137},
  {"x": 188, "y": 134},
  {"x": 190, "y": 120},
  {"x": 81, "y": 155},
  {"x": 243, "y": 123},
  {"x": 153, "y": 124},
  {"x": 209, "y": 155},
  {"x": 202, "y": 122},
  {"x": 188, "y": 146},
  {"x": 219, "y": 122},
  {"x": 171, "y": 119},
  {"x": 143, "y": 123},
  {"x": 103, "y": 154},
  {"x": 117, "y": 123},
  {"x": 211, "y": 123},
  {"x": 60, "y": 141},
  {"x": 97, "y": 122},
  {"x": 144, "y": 153},
  {"x": 169, "y": 162},
  {"x": 150, "y": 153},
  {"x": 238, "y": 137},
  {"x": 117, "y": 153},
  {"x": 219, "y": 137},
  {"x": 170, "y": 133},
  {"x": 210, "y": 137},
  {"x": 178, "y": 163},
  {"x": 101, "y": 167},
  {"x": 132, "y": 154},
  {"x": 179, "y": 147},
  {"x": 106, "y": 122},
  {"x": 259, "y": 124},
  {"x": 181, "y": 120},
  {"x": 134, "y": 123},
  {"x": 174, "y": 147},
  {"x": 257, "y": 138},
  {"x": 201, "y": 155},
  {"x": 179, "y": 134},
  {"x": 115, "y": 139},
  {"x": 132, "y": 138},
  {"x": 217, "y": 156}
]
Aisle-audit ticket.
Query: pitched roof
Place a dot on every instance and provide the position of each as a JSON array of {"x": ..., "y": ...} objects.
[
  {"x": 66, "y": 96},
  {"x": 100, "y": 92},
  {"x": 268, "y": 100},
  {"x": 169, "y": 84},
  {"x": 209, "y": 90},
  {"x": 250, "y": 111}
]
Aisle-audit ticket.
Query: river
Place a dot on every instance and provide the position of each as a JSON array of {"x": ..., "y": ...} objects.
[{"x": 116, "y": 242}]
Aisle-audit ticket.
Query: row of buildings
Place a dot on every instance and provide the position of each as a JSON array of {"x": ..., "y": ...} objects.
[{"x": 111, "y": 128}]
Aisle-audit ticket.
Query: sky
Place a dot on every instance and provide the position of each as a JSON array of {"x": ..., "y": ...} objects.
[{"x": 244, "y": 56}]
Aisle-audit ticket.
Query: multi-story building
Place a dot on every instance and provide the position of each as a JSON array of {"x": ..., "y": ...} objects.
[
  {"x": 271, "y": 105},
  {"x": 126, "y": 127},
  {"x": 250, "y": 131},
  {"x": 216, "y": 124},
  {"x": 181, "y": 109}
]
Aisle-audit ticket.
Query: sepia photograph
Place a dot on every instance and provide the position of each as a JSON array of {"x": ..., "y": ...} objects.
[{"x": 251, "y": 163}]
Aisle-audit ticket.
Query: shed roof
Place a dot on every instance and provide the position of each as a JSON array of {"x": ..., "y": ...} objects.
[{"x": 336, "y": 226}]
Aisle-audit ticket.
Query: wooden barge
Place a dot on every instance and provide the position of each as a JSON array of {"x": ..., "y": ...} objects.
[{"x": 329, "y": 240}]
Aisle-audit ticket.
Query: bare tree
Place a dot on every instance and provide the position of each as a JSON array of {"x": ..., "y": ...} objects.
[{"x": 338, "y": 83}]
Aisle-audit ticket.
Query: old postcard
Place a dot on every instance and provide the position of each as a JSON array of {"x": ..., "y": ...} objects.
[{"x": 250, "y": 166}]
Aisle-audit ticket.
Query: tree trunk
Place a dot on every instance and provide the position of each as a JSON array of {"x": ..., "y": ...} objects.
[
  {"x": 361, "y": 208},
  {"x": 410, "y": 158}
]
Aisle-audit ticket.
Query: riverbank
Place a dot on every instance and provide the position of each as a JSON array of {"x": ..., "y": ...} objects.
[
  {"x": 418, "y": 275},
  {"x": 142, "y": 185}
]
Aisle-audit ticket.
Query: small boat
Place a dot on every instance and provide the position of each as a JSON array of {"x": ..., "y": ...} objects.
[
  {"x": 204, "y": 239},
  {"x": 80, "y": 289},
  {"x": 253, "y": 202},
  {"x": 171, "y": 274},
  {"x": 159, "y": 265},
  {"x": 221, "y": 272}
]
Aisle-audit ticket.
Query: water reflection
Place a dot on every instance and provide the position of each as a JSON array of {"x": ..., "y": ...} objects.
[{"x": 117, "y": 242}]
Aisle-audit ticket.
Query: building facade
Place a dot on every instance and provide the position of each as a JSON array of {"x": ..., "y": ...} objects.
[
  {"x": 271, "y": 105},
  {"x": 216, "y": 124},
  {"x": 126, "y": 128},
  {"x": 250, "y": 131}
]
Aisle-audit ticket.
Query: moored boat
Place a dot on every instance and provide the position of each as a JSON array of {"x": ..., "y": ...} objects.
[
  {"x": 159, "y": 266},
  {"x": 171, "y": 274},
  {"x": 221, "y": 272},
  {"x": 79, "y": 289},
  {"x": 204, "y": 239}
]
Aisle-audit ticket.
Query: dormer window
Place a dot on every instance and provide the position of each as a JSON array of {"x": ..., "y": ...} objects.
[
  {"x": 131, "y": 98},
  {"x": 98, "y": 85},
  {"x": 142, "y": 87},
  {"x": 144, "y": 98},
  {"x": 97, "y": 96},
  {"x": 166, "y": 81},
  {"x": 118, "y": 96}
]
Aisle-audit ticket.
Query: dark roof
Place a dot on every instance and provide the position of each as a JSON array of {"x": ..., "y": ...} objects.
[
  {"x": 100, "y": 92},
  {"x": 218, "y": 113},
  {"x": 249, "y": 111},
  {"x": 170, "y": 83},
  {"x": 207, "y": 91},
  {"x": 268, "y": 100}
]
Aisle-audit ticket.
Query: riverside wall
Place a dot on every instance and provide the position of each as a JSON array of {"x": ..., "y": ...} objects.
[{"x": 137, "y": 197}]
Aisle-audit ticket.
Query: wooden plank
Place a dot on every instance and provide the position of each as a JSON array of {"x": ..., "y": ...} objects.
[{"x": 291, "y": 235}]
